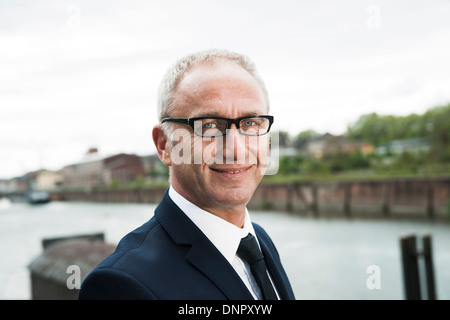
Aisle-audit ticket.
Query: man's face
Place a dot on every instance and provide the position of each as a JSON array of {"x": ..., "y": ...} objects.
[{"x": 229, "y": 168}]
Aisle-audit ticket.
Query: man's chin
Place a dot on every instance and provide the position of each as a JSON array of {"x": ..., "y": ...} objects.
[{"x": 229, "y": 197}]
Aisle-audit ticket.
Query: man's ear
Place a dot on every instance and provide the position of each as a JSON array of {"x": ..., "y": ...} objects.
[{"x": 162, "y": 144}]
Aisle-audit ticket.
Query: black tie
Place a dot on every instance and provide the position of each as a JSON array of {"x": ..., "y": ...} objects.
[{"x": 249, "y": 251}]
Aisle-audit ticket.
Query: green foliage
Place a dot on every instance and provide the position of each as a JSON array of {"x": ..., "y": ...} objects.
[
  {"x": 378, "y": 129},
  {"x": 433, "y": 126},
  {"x": 304, "y": 137},
  {"x": 114, "y": 184},
  {"x": 405, "y": 162},
  {"x": 266, "y": 205},
  {"x": 438, "y": 122},
  {"x": 347, "y": 161},
  {"x": 290, "y": 165},
  {"x": 283, "y": 138},
  {"x": 329, "y": 164},
  {"x": 139, "y": 183},
  {"x": 161, "y": 171}
]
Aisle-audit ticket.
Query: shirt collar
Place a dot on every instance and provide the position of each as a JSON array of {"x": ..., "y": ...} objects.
[{"x": 224, "y": 235}]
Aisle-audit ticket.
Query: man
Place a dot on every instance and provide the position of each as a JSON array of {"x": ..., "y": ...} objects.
[{"x": 201, "y": 243}]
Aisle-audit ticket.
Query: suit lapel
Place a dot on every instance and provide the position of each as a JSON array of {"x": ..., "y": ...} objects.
[
  {"x": 208, "y": 260},
  {"x": 203, "y": 254}
]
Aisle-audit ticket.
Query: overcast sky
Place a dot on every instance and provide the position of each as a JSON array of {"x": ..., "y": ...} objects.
[{"x": 77, "y": 74}]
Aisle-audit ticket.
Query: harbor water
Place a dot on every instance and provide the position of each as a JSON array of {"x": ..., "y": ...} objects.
[{"x": 325, "y": 258}]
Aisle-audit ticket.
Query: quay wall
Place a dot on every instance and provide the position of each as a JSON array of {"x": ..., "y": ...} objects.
[
  {"x": 429, "y": 198},
  {"x": 422, "y": 198}
]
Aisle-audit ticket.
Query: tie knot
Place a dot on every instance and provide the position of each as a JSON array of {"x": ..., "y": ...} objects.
[{"x": 249, "y": 249}]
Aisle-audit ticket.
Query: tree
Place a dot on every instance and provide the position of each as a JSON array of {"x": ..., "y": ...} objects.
[
  {"x": 304, "y": 136},
  {"x": 379, "y": 129},
  {"x": 438, "y": 123}
]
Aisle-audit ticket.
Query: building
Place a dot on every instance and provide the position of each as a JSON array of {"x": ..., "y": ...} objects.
[
  {"x": 123, "y": 168},
  {"x": 16, "y": 185},
  {"x": 44, "y": 180},
  {"x": 94, "y": 170},
  {"x": 415, "y": 145},
  {"x": 84, "y": 174},
  {"x": 330, "y": 144},
  {"x": 154, "y": 168}
]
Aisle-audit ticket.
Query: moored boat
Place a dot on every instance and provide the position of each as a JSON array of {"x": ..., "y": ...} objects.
[{"x": 37, "y": 197}]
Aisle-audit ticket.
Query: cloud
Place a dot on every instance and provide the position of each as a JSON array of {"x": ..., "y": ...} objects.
[{"x": 81, "y": 73}]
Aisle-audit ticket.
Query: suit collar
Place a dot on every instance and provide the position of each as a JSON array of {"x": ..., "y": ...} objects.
[
  {"x": 175, "y": 222},
  {"x": 217, "y": 269},
  {"x": 224, "y": 235},
  {"x": 184, "y": 232}
]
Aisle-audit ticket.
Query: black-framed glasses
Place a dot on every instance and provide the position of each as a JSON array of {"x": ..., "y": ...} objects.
[{"x": 209, "y": 127}]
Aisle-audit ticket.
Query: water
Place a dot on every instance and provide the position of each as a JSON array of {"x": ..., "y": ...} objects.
[{"x": 324, "y": 258}]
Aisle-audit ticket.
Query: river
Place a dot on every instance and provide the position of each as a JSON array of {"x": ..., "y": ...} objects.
[{"x": 324, "y": 258}]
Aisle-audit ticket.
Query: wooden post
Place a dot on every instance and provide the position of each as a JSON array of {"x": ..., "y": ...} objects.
[
  {"x": 315, "y": 202},
  {"x": 265, "y": 192},
  {"x": 427, "y": 254},
  {"x": 386, "y": 198},
  {"x": 289, "y": 191},
  {"x": 298, "y": 191},
  {"x": 347, "y": 199},
  {"x": 430, "y": 200},
  {"x": 140, "y": 198},
  {"x": 410, "y": 267}
]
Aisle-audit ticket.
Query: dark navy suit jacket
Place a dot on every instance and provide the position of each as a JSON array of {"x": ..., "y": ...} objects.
[{"x": 170, "y": 258}]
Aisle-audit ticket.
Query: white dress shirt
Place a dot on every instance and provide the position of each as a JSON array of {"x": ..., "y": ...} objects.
[{"x": 225, "y": 236}]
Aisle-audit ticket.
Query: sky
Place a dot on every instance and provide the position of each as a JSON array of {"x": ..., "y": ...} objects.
[{"x": 81, "y": 74}]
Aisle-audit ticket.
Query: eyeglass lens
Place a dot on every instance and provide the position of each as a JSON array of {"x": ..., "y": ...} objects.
[{"x": 217, "y": 127}]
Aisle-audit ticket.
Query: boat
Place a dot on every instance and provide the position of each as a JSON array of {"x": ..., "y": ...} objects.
[{"x": 37, "y": 197}]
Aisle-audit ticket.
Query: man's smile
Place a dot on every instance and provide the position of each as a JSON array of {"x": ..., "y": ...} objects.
[{"x": 232, "y": 172}]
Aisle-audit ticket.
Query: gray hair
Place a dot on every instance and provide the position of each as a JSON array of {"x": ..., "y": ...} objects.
[{"x": 171, "y": 79}]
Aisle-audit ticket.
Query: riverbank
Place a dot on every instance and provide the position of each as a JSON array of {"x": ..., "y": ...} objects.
[{"x": 423, "y": 198}]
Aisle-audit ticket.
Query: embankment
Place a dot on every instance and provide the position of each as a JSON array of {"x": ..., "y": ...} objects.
[{"x": 421, "y": 198}]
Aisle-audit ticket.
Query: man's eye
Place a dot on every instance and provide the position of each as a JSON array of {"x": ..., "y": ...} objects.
[
  {"x": 249, "y": 123},
  {"x": 209, "y": 125}
]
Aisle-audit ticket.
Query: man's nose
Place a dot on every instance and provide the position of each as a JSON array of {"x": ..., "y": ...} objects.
[{"x": 235, "y": 147}]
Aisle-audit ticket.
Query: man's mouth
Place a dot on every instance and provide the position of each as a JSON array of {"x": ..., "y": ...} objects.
[{"x": 231, "y": 171}]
